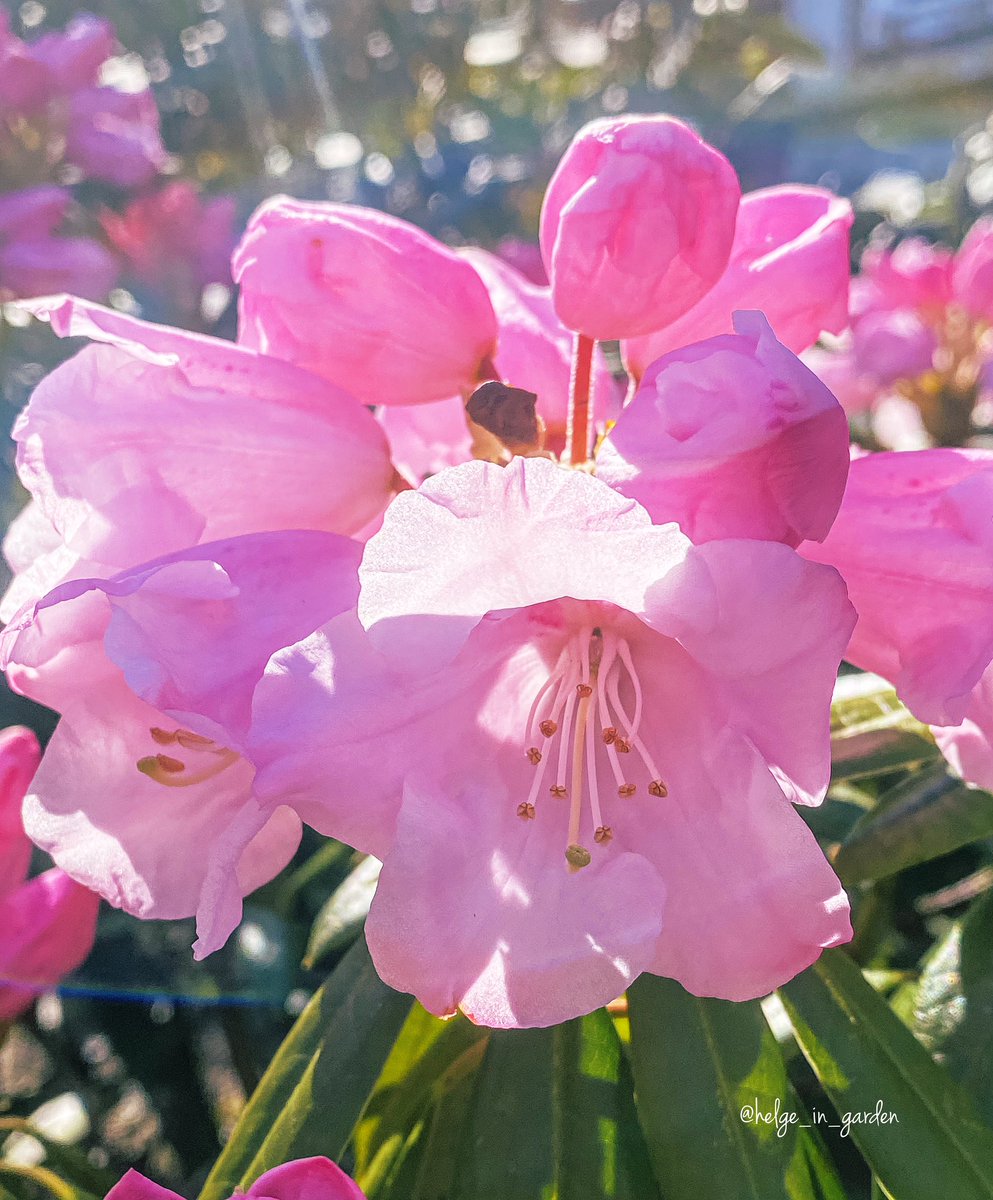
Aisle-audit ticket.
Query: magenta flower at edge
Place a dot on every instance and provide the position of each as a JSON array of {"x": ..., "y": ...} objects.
[
  {"x": 789, "y": 259},
  {"x": 732, "y": 437},
  {"x": 366, "y": 300},
  {"x": 303, "y": 1179},
  {"x": 589, "y": 728},
  {"x": 637, "y": 225},
  {"x": 47, "y": 923},
  {"x": 145, "y": 793},
  {"x": 161, "y": 439}
]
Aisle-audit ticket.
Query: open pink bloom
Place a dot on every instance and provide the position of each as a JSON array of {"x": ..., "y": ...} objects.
[
  {"x": 732, "y": 437},
  {"x": 913, "y": 274},
  {"x": 637, "y": 225},
  {"x": 114, "y": 135},
  {"x": 160, "y": 439},
  {"x": 365, "y": 300},
  {"x": 303, "y": 1179},
  {"x": 972, "y": 273},
  {"x": 35, "y": 261},
  {"x": 144, "y": 793},
  {"x": 47, "y": 924},
  {"x": 914, "y": 542},
  {"x": 562, "y": 684},
  {"x": 789, "y": 259}
]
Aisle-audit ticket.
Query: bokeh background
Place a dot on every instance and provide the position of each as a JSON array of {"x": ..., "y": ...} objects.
[{"x": 450, "y": 113}]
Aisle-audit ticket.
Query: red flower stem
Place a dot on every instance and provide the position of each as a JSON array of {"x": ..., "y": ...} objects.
[{"x": 580, "y": 424}]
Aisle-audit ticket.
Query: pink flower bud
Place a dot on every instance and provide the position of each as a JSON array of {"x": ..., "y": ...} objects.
[
  {"x": 364, "y": 299},
  {"x": 637, "y": 225}
]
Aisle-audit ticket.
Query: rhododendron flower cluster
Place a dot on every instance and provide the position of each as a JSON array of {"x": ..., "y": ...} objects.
[
  {"x": 55, "y": 113},
  {"x": 47, "y": 923},
  {"x": 916, "y": 359},
  {"x": 567, "y": 682}
]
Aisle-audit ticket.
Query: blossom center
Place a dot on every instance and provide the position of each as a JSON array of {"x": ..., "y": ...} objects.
[
  {"x": 581, "y": 719},
  {"x": 207, "y": 758}
]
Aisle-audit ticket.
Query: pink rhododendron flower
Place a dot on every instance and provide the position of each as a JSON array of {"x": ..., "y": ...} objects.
[
  {"x": 913, "y": 540},
  {"x": 160, "y": 439},
  {"x": 365, "y": 300},
  {"x": 114, "y": 135},
  {"x": 426, "y": 438},
  {"x": 145, "y": 793},
  {"x": 174, "y": 242},
  {"x": 303, "y": 1179},
  {"x": 893, "y": 344},
  {"x": 524, "y": 257},
  {"x": 637, "y": 225},
  {"x": 605, "y": 720},
  {"x": 35, "y": 260},
  {"x": 789, "y": 259},
  {"x": 732, "y": 437},
  {"x": 47, "y": 923},
  {"x": 972, "y": 272}
]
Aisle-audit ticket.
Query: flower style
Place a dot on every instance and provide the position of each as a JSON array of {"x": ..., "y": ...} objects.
[
  {"x": 145, "y": 793},
  {"x": 47, "y": 924},
  {"x": 159, "y": 439},
  {"x": 602, "y": 717},
  {"x": 303, "y": 1179},
  {"x": 365, "y": 300},
  {"x": 636, "y": 226}
]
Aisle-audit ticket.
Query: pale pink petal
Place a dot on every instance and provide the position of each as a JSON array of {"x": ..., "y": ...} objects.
[
  {"x": 163, "y": 438},
  {"x": 366, "y": 300},
  {"x": 426, "y": 438},
  {"x": 969, "y": 745},
  {"x": 637, "y": 225},
  {"x": 114, "y": 135},
  {"x": 509, "y": 537},
  {"x": 893, "y": 344},
  {"x": 972, "y": 271},
  {"x": 732, "y": 437},
  {"x": 789, "y": 260},
  {"x": 914, "y": 543},
  {"x": 912, "y": 274}
]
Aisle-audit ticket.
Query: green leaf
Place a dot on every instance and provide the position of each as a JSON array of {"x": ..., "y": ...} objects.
[
  {"x": 953, "y": 1003},
  {"x": 312, "y": 1096},
  {"x": 507, "y": 1148},
  {"x": 930, "y": 814},
  {"x": 343, "y": 915},
  {"x": 599, "y": 1147},
  {"x": 715, "y": 1102},
  {"x": 424, "y": 1051},
  {"x": 870, "y": 1063},
  {"x": 872, "y": 732},
  {"x": 442, "y": 1153}
]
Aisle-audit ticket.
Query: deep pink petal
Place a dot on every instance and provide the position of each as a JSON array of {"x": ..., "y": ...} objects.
[
  {"x": 19, "y": 758},
  {"x": 48, "y": 928},
  {"x": 972, "y": 271},
  {"x": 732, "y": 437},
  {"x": 135, "y": 1186},
  {"x": 789, "y": 260},
  {"x": 364, "y": 299},
  {"x": 305, "y": 1179}
]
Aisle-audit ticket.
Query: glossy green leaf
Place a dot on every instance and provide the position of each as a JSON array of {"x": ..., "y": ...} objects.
[
  {"x": 507, "y": 1149},
  {"x": 871, "y": 1065},
  {"x": 343, "y": 915},
  {"x": 313, "y": 1094},
  {"x": 923, "y": 817},
  {"x": 953, "y": 1003},
  {"x": 715, "y": 1103},
  {"x": 599, "y": 1147},
  {"x": 442, "y": 1155},
  {"x": 424, "y": 1051},
  {"x": 872, "y": 732}
]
